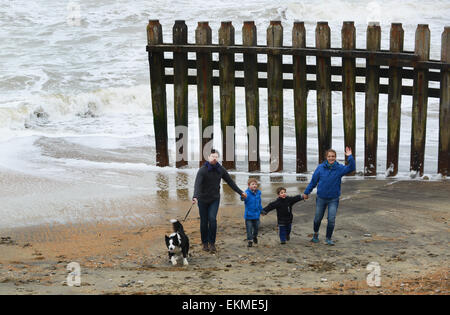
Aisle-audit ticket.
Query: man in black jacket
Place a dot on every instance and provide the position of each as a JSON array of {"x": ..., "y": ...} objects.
[
  {"x": 207, "y": 195},
  {"x": 283, "y": 204}
]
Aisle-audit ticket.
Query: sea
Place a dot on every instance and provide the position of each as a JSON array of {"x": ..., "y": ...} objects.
[{"x": 76, "y": 123}]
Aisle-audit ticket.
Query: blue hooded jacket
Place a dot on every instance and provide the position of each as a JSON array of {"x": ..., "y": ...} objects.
[
  {"x": 328, "y": 177},
  {"x": 253, "y": 205}
]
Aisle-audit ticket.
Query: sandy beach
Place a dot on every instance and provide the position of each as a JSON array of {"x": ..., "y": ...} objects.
[{"x": 401, "y": 225}]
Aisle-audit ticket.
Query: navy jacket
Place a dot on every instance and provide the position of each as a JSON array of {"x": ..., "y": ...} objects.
[
  {"x": 284, "y": 208},
  {"x": 207, "y": 183},
  {"x": 328, "y": 178}
]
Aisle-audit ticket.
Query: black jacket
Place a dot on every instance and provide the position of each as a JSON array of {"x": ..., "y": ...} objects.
[
  {"x": 284, "y": 208},
  {"x": 207, "y": 183}
]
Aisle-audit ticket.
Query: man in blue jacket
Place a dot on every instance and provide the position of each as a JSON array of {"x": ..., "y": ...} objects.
[{"x": 327, "y": 177}]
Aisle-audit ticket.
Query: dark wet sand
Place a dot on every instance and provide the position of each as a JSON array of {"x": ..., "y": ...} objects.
[{"x": 402, "y": 225}]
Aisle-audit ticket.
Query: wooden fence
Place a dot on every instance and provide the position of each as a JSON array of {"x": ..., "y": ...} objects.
[{"x": 394, "y": 64}]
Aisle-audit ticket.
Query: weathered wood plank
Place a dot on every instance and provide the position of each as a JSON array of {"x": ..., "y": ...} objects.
[
  {"x": 158, "y": 88},
  {"x": 348, "y": 34},
  {"x": 444, "y": 108},
  {"x": 249, "y": 38},
  {"x": 420, "y": 101},
  {"x": 227, "y": 96},
  {"x": 372, "y": 98},
  {"x": 300, "y": 97},
  {"x": 180, "y": 94},
  {"x": 275, "y": 96},
  {"x": 323, "y": 90},
  {"x": 203, "y": 36},
  {"x": 394, "y": 102}
]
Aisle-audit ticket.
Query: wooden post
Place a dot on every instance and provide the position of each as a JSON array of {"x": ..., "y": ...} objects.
[
  {"x": 203, "y": 36},
  {"x": 372, "y": 97},
  {"x": 180, "y": 93},
  {"x": 227, "y": 96},
  {"x": 420, "y": 101},
  {"x": 348, "y": 35},
  {"x": 394, "y": 102},
  {"x": 275, "y": 96},
  {"x": 300, "y": 96},
  {"x": 444, "y": 108},
  {"x": 158, "y": 88},
  {"x": 323, "y": 83},
  {"x": 249, "y": 38}
]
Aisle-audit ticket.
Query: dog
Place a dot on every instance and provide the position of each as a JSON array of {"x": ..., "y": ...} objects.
[{"x": 177, "y": 242}]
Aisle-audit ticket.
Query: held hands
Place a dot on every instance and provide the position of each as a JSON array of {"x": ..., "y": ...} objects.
[{"x": 244, "y": 195}]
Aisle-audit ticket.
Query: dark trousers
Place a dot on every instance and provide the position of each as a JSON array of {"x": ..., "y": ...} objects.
[
  {"x": 284, "y": 230},
  {"x": 252, "y": 229},
  {"x": 208, "y": 220}
]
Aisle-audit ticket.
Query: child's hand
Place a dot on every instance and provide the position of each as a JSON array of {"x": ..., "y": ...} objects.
[
  {"x": 305, "y": 197},
  {"x": 244, "y": 195},
  {"x": 348, "y": 151}
]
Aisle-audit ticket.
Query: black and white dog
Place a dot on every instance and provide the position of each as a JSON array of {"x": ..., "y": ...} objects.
[{"x": 177, "y": 242}]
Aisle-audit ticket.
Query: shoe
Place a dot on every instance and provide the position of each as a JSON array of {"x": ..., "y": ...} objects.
[
  {"x": 205, "y": 247},
  {"x": 315, "y": 238},
  {"x": 212, "y": 248},
  {"x": 255, "y": 240},
  {"x": 329, "y": 242},
  {"x": 250, "y": 244},
  {"x": 283, "y": 242}
]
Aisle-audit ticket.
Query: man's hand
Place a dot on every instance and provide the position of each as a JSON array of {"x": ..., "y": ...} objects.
[
  {"x": 244, "y": 195},
  {"x": 348, "y": 151},
  {"x": 305, "y": 197},
  {"x": 194, "y": 200}
]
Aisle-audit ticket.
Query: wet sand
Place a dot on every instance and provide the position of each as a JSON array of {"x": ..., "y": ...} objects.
[{"x": 401, "y": 225}]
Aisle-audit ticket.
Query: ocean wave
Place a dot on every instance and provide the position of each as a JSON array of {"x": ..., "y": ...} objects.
[{"x": 38, "y": 109}]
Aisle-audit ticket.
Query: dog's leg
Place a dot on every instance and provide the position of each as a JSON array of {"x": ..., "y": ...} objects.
[
  {"x": 185, "y": 253},
  {"x": 173, "y": 258}
]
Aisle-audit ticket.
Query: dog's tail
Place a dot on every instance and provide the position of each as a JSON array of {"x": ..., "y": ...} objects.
[{"x": 177, "y": 226}]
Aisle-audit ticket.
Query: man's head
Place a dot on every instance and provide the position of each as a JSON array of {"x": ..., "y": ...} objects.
[
  {"x": 213, "y": 157},
  {"x": 252, "y": 184},
  {"x": 281, "y": 192},
  {"x": 330, "y": 155}
]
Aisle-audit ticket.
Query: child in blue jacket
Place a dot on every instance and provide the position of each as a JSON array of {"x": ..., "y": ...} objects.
[{"x": 253, "y": 209}]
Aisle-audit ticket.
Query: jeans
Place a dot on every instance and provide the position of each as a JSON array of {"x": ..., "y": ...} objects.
[
  {"x": 208, "y": 220},
  {"x": 321, "y": 205},
  {"x": 284, "y": 230},
  {"x": 252, "y": 229}
]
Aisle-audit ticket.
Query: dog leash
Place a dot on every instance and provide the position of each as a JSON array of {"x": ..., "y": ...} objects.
[{"x": 188, "y": 212}]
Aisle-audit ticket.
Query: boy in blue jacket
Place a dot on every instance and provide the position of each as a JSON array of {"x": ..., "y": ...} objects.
[
  {"x": 327, "y": 177},
  {"x": 253, "y": 209}
]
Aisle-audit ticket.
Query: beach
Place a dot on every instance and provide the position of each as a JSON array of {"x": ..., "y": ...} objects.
[
  {"x": 401, "y": 226},
  {"x": 82, "y": 197}
]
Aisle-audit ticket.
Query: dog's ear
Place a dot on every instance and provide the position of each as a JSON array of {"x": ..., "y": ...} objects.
[{"x": 167, "y": 240}]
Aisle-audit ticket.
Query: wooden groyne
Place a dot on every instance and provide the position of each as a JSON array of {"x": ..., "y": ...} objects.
[{"x": 394, "y": 64}]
